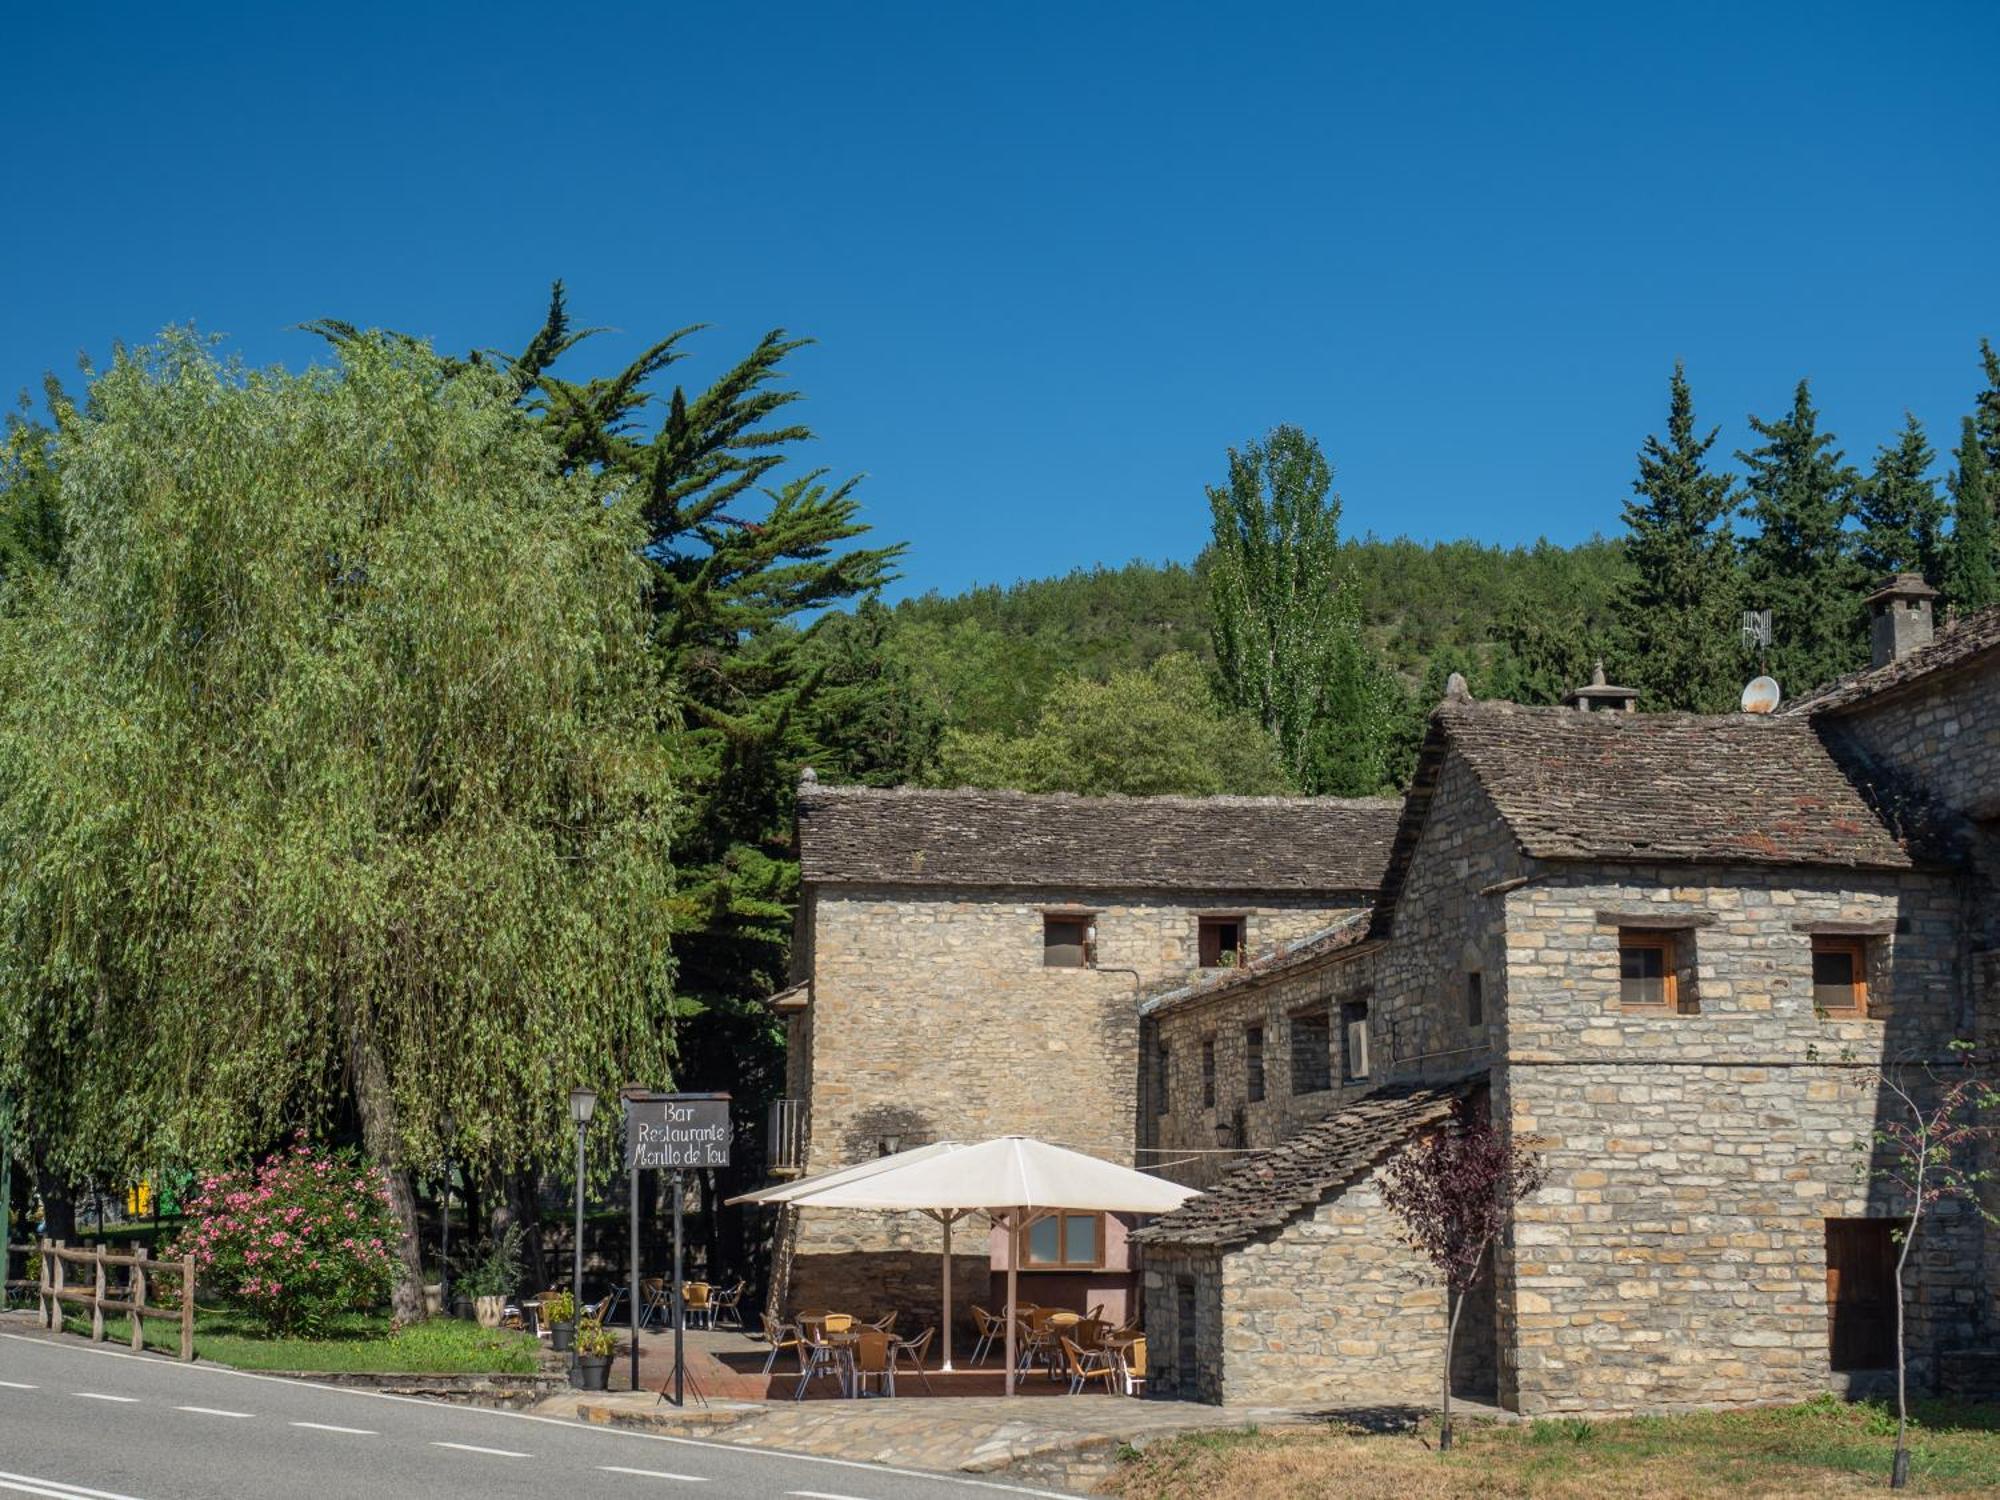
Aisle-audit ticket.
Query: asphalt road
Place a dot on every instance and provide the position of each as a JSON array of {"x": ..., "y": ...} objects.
[{"x": 81, "y": 1422}]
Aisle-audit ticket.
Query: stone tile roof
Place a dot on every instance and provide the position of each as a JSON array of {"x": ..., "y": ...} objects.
[
  {"x": 911, "y": 836},
  {"x": 1336, "y": 937},
  {"x": 1966, "y": 642},
  {"x": 1723, "y": 788},
  {"x": 1273, "y": 1187}
]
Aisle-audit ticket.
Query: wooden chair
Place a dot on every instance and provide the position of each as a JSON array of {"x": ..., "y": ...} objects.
[
  {"x": 817, "y": 1358},
  {"x": 1087, "y": 1365},
  {"x": 916, "y": 1351},
  {"x": 884, "y": 1324},
  {"x": 1090, "y": 1333},
  {"x": 837, "y": 1322},
  {"x": 873, "y": 1360},
  {"x": 992, "y": 1332},
  {"x": 694, "y": 1302},
  {"x": 653, "y": 1300},
  {"x": 781, "y": 1336},
  {"x": 1132, "y": 1364},
  {"x": 728, "y": 1305}
]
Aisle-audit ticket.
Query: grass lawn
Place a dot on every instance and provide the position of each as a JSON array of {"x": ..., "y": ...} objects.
[
  {"x": 1824, "y": 1447},
  {"x": 358, "y": 1341}
]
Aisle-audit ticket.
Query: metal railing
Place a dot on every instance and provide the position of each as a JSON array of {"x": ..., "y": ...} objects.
[{"x": 786, "y": 1136}]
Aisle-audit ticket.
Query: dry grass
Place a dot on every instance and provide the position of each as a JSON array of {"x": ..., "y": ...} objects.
[{"x": 1822, "y": 1448}]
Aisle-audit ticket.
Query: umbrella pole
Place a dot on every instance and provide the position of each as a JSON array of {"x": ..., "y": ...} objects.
[
  {"x": 947, "y": 1219},
  {"x": 1013, "y": 1256}
]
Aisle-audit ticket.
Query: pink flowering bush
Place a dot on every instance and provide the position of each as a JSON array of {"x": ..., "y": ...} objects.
[{"x": 302, "y": 1236}]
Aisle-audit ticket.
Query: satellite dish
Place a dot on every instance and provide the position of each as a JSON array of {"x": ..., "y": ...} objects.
[{"x": 1761, "y": 696}]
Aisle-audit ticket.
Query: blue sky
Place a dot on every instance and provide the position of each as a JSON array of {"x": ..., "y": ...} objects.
[{"x": 1059, "y": 257}]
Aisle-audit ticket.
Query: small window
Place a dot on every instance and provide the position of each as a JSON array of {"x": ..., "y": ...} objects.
[
  {"x": 1069, "y": 942},
  {"x": 1062, "y": 1241},
  {"x": 1208, "y": 1072},
  {"x": 1354, "y": 1031},
  {"x": 1840, "y": 976},
  {"x": 1253, "y": 1063},
  {"x": 1475, "y": 999},
  {"x": 1312, "y": 1038},
  {"x": 1646, "y": 970},
  {"x": 1220, "y": 940},
  {"x": 1163, "y": 1079}
]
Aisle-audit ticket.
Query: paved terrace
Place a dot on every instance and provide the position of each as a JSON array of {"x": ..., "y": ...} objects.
[{"x": 1041, "y": 1436}]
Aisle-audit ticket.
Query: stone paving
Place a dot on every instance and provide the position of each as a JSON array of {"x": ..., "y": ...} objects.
[{"x": 1041, "y": 1436}]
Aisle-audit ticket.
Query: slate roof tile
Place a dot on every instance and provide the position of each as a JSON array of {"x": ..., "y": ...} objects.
[
  {"x": 913, "y": 836},
  {"x": 1271, "y": 1188},
  {"x": 1967, "y": 641}
]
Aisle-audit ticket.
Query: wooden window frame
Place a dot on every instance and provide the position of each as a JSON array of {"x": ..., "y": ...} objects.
[
  {"x": 1857, "y": 947},
  {"x": 1213, "y": 922},
  {"x": 1088, "y": 921},
  {"x": 1253, "y": 1076},
  {"x": 1061, "y": 1263},
  {"x": 1356, "y": 1069},
  {"x": 1322, "y": 1014},
  {"x": 1662, "y": 939}
]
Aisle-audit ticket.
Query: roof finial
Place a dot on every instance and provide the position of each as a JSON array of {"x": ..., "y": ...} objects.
[
  {"x": 1456, "y": 689},
  {"x": 1597, "y": 674}
]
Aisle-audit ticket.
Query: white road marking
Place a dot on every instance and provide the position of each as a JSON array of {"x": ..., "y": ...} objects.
[
  {"x": 655, "y": 1475},
  {"x": 211, "y": 1411},
  {"x": 100, "y": 1396},
  {"x": 474, "y": 1448},
  {"x": 485, "y": 1413},
  {"x": 19, "y": 1385},
  {"x": 821, "y": 1495},
  {"x": 329, "y": 1427},
  {"x": 27, "y": 1484}
]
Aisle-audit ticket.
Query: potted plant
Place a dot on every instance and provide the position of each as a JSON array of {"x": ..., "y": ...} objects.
[
  {"x": 594, "y": 1348},
  {"x": 559, "y": 1317},
  {"x": 491, "y": 1277}
]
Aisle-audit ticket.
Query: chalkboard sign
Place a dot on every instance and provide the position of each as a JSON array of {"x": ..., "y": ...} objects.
[{"x": 677, "y": 1132}]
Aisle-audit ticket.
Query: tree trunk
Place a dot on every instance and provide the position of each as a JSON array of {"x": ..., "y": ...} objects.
[
  {"x": 524, "y": 1208},
  {"x": 1457, "y": 1300},
  {"x": 377, "y": 1109},
  {"x": 1899, "y": 1467},
  {"x": 58, "y": 1195}
]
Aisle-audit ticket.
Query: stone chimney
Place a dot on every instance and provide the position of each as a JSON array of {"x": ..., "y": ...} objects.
[
  {"x": 1600, "y": 696},
  {"x": 1899, "y": 617}
]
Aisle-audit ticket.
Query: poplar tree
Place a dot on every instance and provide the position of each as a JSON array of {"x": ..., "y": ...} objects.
[
  {"x": 1678, "y": 622},
  {"x": 1902, "y": 514},
  {"x": 1287, "y": 619},
  {"x": 1798, "y": 563},
  {"x": 1986, "y": 407},
  {"x": 1970, "y": 568}
]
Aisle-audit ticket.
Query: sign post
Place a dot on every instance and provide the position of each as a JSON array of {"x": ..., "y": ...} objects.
[{"x": 676, "y": 1133}]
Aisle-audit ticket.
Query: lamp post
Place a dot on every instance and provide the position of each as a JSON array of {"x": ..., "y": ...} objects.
[
  {"x": 449, "y": 1129},
  {"x": 582, "y": 1105}
]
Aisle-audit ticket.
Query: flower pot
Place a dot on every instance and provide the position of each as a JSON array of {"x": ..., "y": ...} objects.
[
  {"x": 461, "y": 1307},
  {"x": 489, "y": 1310},
  {"x": 434, "y": 1300},
  {"x": 591, "y": 1372},
  {"x": 562, "y": 1336}
]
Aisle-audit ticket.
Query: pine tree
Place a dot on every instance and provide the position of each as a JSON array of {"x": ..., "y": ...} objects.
[
  {"x": 1970, "y": 569},
  {"x": 1799, "y": 564},
  {"x": 1902, "y": 513},
  {"x": 1986, "y": 407},
  {"x": 1679, "y": 620}
]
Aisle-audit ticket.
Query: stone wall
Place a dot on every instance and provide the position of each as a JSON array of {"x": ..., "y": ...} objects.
[
  {"x": 1448, "y": 924},
  {"x": 1332, "y": 1309},
  {"x": 933, "y": 1017},
  {"x": 1678, "y": 1255}
]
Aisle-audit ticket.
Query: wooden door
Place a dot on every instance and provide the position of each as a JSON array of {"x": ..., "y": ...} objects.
[{"x": 1861, "y": 1292}]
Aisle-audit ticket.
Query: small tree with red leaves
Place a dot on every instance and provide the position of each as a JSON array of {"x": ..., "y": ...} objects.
[
  {"x": 1925, "y": 1148},
  {"x": 1454, "y": 1189}
]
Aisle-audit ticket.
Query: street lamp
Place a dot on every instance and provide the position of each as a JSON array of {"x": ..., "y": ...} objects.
[
  {"x": 582, "y": 1105},
  {"x": 449, "y": 1130}
]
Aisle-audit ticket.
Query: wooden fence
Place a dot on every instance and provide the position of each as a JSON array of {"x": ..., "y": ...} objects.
[{"x": 139, "y": 1268}]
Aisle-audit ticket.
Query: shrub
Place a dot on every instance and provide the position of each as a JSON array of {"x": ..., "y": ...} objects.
[
  {"x": 594, "y": 1340},
  {"x": 495, "y": 1269},
  {"x": 302, "y": 1236}
]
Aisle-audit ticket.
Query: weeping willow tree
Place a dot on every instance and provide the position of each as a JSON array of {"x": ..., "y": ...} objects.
[{"x": 331, "y": 774}]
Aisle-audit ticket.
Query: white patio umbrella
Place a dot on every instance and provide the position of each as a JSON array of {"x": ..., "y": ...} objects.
[{"x": 1014, "y": 1179}]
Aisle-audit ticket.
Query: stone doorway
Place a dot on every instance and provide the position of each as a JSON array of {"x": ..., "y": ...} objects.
[{"x": 1861, "y": 1292}]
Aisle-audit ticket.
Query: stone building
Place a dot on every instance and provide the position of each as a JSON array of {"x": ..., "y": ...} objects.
[
  {"x": 968, "y": 963},
  {"x": 1670, "y": 950}
]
